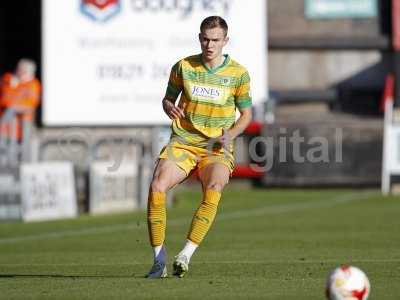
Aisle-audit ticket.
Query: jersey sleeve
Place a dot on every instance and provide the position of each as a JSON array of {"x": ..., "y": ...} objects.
[
  {"x": 175, "y": 82},
  {"x": 243, "y": 95}
]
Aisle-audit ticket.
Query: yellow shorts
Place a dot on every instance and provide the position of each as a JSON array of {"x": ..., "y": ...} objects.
[{"x": 189, "y": 158}]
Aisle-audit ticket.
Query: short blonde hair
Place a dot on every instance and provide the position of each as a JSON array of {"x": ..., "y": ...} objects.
[{"x": 213, "y": 22}]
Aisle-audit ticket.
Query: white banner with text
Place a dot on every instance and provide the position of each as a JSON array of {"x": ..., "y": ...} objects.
[{"x": 107, "y": 62}]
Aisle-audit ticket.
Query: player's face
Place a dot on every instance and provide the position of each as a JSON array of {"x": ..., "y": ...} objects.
[{"x": 212, "y": 42}]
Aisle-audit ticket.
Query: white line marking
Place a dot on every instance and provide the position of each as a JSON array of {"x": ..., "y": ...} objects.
[
  {"x": 285, "y": 208},
  {"x": 261, "y": 211}
]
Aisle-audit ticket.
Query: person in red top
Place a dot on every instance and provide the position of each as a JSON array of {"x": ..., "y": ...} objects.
[{"x": 19, "y": 99}]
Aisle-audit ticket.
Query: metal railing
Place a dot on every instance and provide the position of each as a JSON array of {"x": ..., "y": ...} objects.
[
  {"x": 91, "y": 153},
  {"x": 14, "y": 147}
]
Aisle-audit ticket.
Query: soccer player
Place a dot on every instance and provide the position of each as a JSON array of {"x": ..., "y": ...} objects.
[{"x": 211, "y": 86}]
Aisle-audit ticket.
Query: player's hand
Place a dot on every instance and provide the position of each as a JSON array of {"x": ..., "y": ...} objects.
[
  {"x": 225, "y": 139},
  {"x": 172, "y": 111}
]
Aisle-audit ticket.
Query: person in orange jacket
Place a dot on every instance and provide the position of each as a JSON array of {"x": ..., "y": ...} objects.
[{"x": 19, "y": 97}]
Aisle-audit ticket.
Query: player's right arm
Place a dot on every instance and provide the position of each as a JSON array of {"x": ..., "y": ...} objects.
[
  {"x": 172, "y": 111},
  {"x": 175, "y": 87}
]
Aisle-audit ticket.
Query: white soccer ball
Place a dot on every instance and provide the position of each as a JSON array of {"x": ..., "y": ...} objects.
[{"x": 347, "y": 283}]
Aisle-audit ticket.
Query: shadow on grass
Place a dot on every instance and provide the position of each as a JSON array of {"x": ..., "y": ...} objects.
[{"x": 2, "y": 276}]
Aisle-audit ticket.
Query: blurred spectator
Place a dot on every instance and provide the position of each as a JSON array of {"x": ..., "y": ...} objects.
[{"x": 19, "y": 99}]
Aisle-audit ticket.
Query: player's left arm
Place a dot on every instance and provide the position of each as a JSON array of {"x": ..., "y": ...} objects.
[
  {"x": 241, "y": 123},
  {"x": 243, "y": 103}
]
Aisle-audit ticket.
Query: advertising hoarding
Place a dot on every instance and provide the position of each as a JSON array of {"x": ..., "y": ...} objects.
[{"x": 107, "y": 62}]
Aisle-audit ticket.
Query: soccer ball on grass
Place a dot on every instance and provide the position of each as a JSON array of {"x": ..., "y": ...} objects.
[{"x": 347, "y": 283}]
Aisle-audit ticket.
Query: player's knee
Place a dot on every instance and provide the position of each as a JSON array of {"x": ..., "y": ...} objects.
[
  {"x": 159, "y": 185},
  {"x": 216, "y": 186}
]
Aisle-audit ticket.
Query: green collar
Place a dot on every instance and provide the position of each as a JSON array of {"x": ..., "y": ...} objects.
[{"x": 214, "y": 70}]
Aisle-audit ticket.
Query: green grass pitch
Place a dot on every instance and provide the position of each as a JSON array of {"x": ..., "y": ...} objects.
[{"x": 265, "y": 244}]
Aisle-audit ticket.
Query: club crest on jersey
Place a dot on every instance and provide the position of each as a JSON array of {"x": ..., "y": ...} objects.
[
  {"x": 225, "y": 81},
  {"x": 100, "y": 10}
]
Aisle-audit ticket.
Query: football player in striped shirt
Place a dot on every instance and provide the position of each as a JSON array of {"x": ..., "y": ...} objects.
[{"x": 210, "y": 87}]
